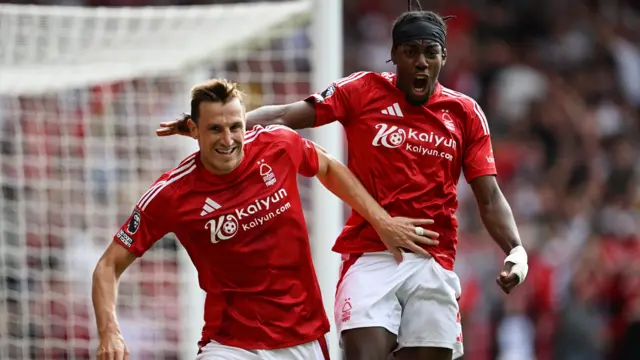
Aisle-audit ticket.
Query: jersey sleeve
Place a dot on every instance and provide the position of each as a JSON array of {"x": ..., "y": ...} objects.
[
  {"x": 148, "y": 221},
  {"x": 478, "y": 154},
  {"x": 340, "y": 101},
  {"x": 302, "y": 151}
]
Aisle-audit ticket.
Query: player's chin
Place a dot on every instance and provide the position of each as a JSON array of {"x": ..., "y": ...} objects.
[{"x": 225, "y": 162}]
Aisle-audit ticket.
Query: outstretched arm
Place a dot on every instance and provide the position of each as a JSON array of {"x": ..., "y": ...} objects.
[
  {"x": 340, "y": 101},
  {"x": 498, "y": 220},
  {"x": 395, "y": 233},
  {"x": 297, "y": 115},
  {"x": 115, "y": 260}
]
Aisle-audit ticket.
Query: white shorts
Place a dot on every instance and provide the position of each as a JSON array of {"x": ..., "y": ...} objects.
[
  {"x": 315, "y": 350},
  {"x": 417, "y": 300}
]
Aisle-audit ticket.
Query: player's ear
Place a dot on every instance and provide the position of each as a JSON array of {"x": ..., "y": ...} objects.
[
  {"x": 444, "y": 56},
  {"x": 193, "y": 129},
  {"x": 393, "y": 55}
]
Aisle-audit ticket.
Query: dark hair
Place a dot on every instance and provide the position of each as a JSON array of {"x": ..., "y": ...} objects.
[
  {"x": 419, "y": 14},
  {"x": 215, "y": 90}
]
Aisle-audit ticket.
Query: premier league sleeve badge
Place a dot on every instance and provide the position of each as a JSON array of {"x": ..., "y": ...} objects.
[{"x": 134, "y": 222}]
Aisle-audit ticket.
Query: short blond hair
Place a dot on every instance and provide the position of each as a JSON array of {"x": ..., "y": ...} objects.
[{"x": 214, "y": 90}]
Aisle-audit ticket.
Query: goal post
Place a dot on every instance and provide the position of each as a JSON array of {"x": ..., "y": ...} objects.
[
  {"x": 327, "y": 64},
  {"x": 81, "y": 93}
]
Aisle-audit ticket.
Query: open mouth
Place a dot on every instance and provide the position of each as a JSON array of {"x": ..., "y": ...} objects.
[
  {"x": 226, "y": 152},
  {"x": 420, "y": 83}
]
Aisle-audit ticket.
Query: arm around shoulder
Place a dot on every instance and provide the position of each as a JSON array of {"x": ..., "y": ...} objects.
[
  {"x": 297, "y": 115},
  {"x": 336, "y": 102}
]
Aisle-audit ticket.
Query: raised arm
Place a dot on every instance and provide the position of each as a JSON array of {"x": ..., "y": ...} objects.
[
  {"x": 395, "y": 232},
  {"x": 115, "y": 260}
]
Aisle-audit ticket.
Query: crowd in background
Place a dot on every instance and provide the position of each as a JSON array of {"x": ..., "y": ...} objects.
[{"x": 559, "y": 82}]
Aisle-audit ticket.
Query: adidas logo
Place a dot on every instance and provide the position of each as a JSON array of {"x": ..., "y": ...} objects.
[
  {"x": 209, "y": 207},
  {"x": 393, "y": 110}
]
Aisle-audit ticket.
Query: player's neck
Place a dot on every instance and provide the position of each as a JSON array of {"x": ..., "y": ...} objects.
[{"x": 208, "y": 165}]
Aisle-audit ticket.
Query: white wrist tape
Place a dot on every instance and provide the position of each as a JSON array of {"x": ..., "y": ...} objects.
[{"x": 518, "y": 256}]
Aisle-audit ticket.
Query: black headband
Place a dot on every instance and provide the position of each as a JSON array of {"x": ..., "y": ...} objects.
[{"x": 418, "y": 30}]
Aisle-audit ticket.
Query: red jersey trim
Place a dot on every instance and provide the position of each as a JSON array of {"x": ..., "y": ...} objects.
[
  {"x": 350, "y": 78},
  {"x": 252, "y": 134},
  {"x": 131, "y": 250},
  {"x": 476, "y": 108},
  {"x": 185, "y": 167},
  {"x": 187, "y": 159},
  {"x": 175, "y": 175}
]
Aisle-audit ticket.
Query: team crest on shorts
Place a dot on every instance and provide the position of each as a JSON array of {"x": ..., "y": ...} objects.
[{"x": 134, "y": 222}]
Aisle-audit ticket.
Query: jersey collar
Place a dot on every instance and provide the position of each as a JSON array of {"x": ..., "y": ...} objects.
[{"x": 210, "y": 177}]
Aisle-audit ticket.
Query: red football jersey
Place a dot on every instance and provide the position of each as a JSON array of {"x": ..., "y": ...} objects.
[
  {"x": 246, "y": 235},
  {"x": 408, "y": 157}
]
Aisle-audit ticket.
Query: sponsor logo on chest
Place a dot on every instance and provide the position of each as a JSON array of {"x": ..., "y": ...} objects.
[
  {"x": 252, "y": 210},
  {"x": 252, "y": 216},
  {"x": 415, "y": 141},
  {"x": 438, "y": 142}
]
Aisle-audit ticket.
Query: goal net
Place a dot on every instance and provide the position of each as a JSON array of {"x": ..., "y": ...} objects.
[{"x": 81, "y": 93}]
